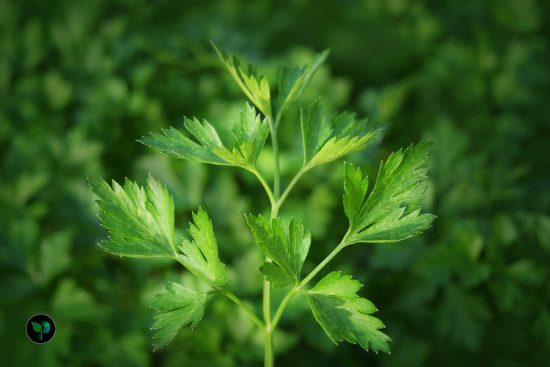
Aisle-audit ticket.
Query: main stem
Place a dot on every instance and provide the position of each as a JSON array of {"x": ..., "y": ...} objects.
[
  {"x": 276, "y": 200},
  {"x": 268, "y": 346}
]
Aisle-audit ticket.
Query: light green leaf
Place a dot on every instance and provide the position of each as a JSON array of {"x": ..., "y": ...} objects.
[
  {"x": 292, "y": 81},
  {"x": 316, "y": 129},
  {"x": 287, "y": 252},
  {"x": 200, "y": 255},
  {"x": 36, "y": 327},
  {"x": 254, "y": 86},
  {"x": 392, "y": 210},
  {"x": 179, "y": 306},
  {"x": 327, "y": 138},
  {"x": 54, "y": 254},
  {"x": 175, "y": 143},
  {"x": 355, "y": 186},
  {"x": 343, "y": 315},
  {"x": 250, "y": 133},
  {"x": 140, "y": 220}
]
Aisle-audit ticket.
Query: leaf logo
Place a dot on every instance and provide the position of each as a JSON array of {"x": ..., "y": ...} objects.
[{"x": 40, "y": 328}]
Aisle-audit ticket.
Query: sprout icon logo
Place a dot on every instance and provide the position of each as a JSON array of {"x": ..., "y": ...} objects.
[{"x": 40, "y": 329}]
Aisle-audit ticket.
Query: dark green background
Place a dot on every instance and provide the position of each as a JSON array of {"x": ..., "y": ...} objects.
[{"x": 80, "y": 81}]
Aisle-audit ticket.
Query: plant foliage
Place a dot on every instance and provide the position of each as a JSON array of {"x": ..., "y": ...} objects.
[{"x": 141, "y": 221}]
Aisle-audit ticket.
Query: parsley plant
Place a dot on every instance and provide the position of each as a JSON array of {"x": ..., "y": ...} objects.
[{"x": 140, "y": 220}]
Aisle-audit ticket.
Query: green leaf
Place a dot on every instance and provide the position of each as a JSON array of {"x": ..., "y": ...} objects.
[
  {"x": 175, "y": 143},
  {"x": 277, "y": 275},
  {"x": 327, "y": 138},
  {"x": 36, "y": 327},
  {"x": 140, "y": 220},
  {"x": 287, "y": 252},
  {"x": 179, "y": 306},
  {"x": 292, "y": 81},
  {"x": 54, "y": 254},
  {"x": 343, "y": 315},
  {"x": 462, "y": 316},
  {"x": 355, "y": 186},
  {"x": 200, "y": 255},
  {"x": 254, "y": 86},
  {"x": 316, "y": 129},
  {"x": 391, "y": 212},
  {"x": 250, "y": 133}
]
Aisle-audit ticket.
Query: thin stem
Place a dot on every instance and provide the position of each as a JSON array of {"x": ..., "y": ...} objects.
[
  {"x": 323, "y": 263},
  {"x": 278, "y": 119},
  {"x": 264, "y": 184},
  {"x": 268, "y": 347},
  {"x": 306, "y": 280},
  {"x": 290, "y": 186},
  {"x": 268, "y": 350},
  {"x": 275, "y": 144},
  {"x": 266, "y": 304},
  {"x": 245, "y": 307},
  {"x": 232, "y": 297},
  {"x": 283, "y": 305}
]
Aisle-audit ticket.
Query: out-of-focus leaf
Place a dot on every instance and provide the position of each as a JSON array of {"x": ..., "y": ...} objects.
[
  {"x": 461, "y": 317},
  {"x": 71, "y": 303},
  {"x": 55, "y": 255},
  {"x": 293, "y": 81}
]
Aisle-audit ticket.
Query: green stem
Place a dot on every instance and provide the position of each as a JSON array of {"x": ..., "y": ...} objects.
[
  {"x": 264, "y": 184},
  {"x": 290, "y": 186},
  {"x": 268, "y": 347},
  {"x": 278, "y": 119},
  {"x": 283, "y": 305},
  {"x": 323, "y": 263},
  {"x": 246, "y": 308},
  {"x": 231, "y": 296},
  {"x": 275, "y": 144},
  {"x": 306, "y": 280}
]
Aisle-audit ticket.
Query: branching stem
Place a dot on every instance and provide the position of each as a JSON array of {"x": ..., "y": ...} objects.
[
  {"x": 245, "y": 307},
  {"x": 298, "y": 287},
  {"x": 264, "y": 184},
  {"x": 217, "y": 289},
  {"x": 290, "y": 186}
]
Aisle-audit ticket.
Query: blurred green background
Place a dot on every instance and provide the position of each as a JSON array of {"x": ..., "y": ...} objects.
[{"x": 80, "y": 81}]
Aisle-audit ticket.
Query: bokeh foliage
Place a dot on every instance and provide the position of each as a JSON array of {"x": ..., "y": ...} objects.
[{"x": 81, "y": 81}]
